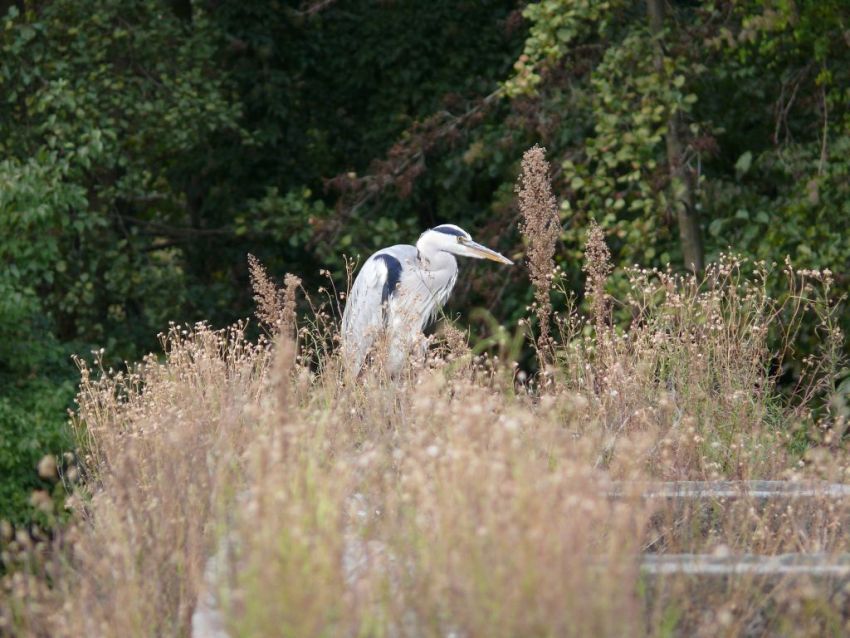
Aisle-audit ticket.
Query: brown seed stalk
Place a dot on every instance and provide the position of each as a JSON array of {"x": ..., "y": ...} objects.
[
  {"x": 541, "y": 228},
  {"x": 597, "y": 267}
]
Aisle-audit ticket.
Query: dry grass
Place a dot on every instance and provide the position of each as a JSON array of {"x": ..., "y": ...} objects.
[{"x": 457, "y": 501}]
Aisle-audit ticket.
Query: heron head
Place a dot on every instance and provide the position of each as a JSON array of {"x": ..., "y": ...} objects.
[{"x": 455, "y": 240}]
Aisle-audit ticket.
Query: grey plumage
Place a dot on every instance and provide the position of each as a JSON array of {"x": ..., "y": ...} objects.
[{"x": 399, "y": 291}]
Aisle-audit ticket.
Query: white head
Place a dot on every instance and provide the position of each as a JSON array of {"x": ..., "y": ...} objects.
[{"x": 456, "y": 241}]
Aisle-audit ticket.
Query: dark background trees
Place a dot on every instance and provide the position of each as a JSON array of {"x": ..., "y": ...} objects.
[{"x": 145, "y": 148}]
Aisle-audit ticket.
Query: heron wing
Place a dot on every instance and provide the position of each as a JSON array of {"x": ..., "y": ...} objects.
[
  {"x": 366, "y": 310},
  {"x": 422, "y": 291},
  {"x": 393, "y": 294}
]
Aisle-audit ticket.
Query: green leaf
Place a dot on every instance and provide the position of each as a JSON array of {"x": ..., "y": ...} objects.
[
  {"x": 716, "y": 227},
  {"x": 742, "y": 166}
]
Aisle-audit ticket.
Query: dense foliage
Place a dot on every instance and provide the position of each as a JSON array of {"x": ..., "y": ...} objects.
[{"x": 145, "y": 148}]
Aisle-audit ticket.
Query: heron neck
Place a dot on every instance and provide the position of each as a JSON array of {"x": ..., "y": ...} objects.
[{"x": 434, "y": 258}]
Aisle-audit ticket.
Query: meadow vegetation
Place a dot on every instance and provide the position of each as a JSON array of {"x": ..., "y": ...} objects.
[
  {"x": 147, "y": 147},
  {"x": 465, "y": 498}
]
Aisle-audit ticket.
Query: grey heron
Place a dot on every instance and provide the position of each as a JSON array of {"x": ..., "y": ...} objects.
[{"x": 398, "y": 292}]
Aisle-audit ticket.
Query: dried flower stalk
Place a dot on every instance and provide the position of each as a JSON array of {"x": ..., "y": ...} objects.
[
  {"x": 597, "y": 266},
  {"x": 291, "y": 284},
  {"x": 541, "y": 227},
  {"x": 275, "y": 306}
]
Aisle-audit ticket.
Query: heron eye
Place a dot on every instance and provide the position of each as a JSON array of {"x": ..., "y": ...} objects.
[{"x": 460, "y": 239}]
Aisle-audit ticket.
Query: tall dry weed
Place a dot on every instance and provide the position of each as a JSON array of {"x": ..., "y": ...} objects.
[
  {"x": 276, "y": 307},
  {"x": 597, "y": 267},
  {"x": 541, "y": 228}
]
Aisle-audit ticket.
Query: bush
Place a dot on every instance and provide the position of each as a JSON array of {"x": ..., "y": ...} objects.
[{"x": 32, "y": 426}]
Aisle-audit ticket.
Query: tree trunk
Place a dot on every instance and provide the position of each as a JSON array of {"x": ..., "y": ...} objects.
[{"x": 682, "y": 181}]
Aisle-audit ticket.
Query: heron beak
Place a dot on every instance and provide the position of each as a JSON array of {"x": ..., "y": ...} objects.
[{"x": 482, "y": 252}]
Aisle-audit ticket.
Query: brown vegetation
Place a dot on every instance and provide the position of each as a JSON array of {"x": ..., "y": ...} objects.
[
  {"x": 541, "y": 227},
  {"x": 455, "y": 501}
]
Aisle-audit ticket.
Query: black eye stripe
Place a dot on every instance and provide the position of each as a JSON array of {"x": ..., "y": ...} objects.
[{"x": 448, "y": 230}]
